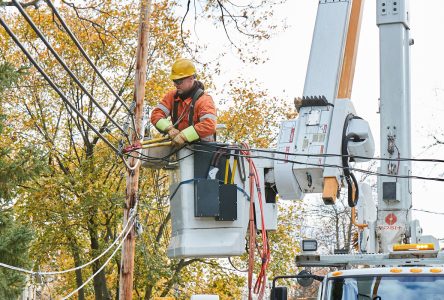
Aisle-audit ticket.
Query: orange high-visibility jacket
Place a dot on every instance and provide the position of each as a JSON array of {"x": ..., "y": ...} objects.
[{"x": 204, "y": 119}]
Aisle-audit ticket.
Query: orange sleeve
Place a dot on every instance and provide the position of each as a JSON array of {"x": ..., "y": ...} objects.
[
  {"x": 163, "y": 109},
  {"x": 206, "y": 114}
]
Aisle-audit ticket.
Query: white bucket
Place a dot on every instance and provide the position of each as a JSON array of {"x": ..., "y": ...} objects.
[{"x": 157, "y": 157}]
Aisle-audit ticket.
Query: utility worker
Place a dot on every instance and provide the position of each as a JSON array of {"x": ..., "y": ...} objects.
[{"x": 186, "y": 114}]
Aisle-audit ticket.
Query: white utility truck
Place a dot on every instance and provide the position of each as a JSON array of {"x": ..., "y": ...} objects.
[
  {"x": 395, "y": 260},
  {"x": 210, "y": 198}
]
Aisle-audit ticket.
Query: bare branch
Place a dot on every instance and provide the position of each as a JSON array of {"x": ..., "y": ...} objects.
[
  {"x": 35, "y": 3},
  {"x": 223, "y": 23}
]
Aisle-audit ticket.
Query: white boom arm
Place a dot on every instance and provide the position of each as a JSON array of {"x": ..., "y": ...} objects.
[{"x": 327, "y": 121}]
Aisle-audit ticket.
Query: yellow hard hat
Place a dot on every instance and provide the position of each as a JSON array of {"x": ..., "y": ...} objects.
[{"x": 182, "y": 68}]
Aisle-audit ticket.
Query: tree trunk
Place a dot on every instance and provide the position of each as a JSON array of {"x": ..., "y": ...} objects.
[
  {"x": 148, "y": 291},
  {"x": 118, "y": 279},
  {"x": 79, "y": 278},
  {"x": 349, "y": 236},
  {"x": 174, "y": 279},
  {"x": 337, "y": 229},
  {"x": 99, "y": 282}
]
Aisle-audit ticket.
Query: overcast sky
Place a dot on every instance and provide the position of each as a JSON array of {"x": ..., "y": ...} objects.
[{"x": 284, "y": 74}]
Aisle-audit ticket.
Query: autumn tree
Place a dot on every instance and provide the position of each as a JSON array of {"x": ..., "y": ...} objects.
[
  {"x": 75, "y": 204},
  {"x": 17, "y": 166}
]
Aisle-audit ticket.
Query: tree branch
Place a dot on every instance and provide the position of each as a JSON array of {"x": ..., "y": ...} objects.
[{"x": 35, "y": 3}]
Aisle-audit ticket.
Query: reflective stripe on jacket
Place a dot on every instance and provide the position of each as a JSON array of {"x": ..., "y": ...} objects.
[{"x": 204, "y": 119}]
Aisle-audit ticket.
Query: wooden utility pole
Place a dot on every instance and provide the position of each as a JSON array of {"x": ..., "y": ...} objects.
[{"x": 132, "y": 179}]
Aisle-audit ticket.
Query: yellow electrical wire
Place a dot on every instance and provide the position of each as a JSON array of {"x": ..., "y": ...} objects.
[
  {"x": 234, "y": 170},
  {"x": 227, "y": 168}
]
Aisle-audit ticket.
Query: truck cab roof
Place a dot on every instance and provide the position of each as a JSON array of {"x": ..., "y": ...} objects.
[{"x": 430, "y": 271}]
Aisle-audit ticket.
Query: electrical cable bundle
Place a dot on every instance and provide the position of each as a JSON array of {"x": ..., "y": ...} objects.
[
  {"x": 368, "y": 172},
  {"x": 264, "y": 252}
]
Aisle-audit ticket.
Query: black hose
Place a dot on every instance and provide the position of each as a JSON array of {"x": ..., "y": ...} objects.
[
  {"x": 349, "y": 176},
  {"x": 241, "y": 167}
]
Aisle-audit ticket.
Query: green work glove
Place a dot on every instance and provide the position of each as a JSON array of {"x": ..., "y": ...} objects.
[
  {"x": 163, "y": 124},
  {"x": 190, "y": 134}
]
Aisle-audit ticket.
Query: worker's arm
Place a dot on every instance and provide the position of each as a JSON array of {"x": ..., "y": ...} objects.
[
  {"x": 205, "y": 125},
  {"x": 162, "y": 112},
  {"x": 206, "y": 111}
]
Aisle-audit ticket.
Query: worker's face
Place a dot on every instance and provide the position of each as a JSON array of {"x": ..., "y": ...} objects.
[{"x": 183, "y": 85}]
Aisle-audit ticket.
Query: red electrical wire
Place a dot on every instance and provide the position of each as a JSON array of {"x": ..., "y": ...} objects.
[
  {"x": 264, "y": 253},
  {"x": 252, "y": 236},
  {"x": 259, "y": 287}
]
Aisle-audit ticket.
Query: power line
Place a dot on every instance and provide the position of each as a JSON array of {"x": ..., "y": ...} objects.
[
  {"x": 50, "y": 273},
  {"x": 368, "y": 172},
  {"x": 32, "y": 24},
  {"x": 60, "y": 93},
  {"x": 65, "y": 67},
  {"x": 75, "y": 40},
  {"x": 102, "y": 267},
  {"x": 88, "y": 59},
  {"x": 319, "y": 165},
  {"x": 338, "y": 155},
  {"x": 147, "y": 158},
  {"x": 85, "y": 55},
  {"x": 428, "y": 211},
  {"x": 54, "y": 86},
  {"x": 326, "y": 165}
]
